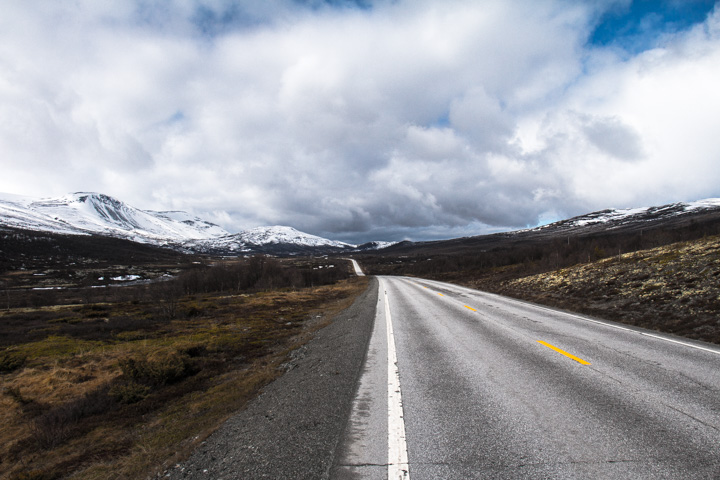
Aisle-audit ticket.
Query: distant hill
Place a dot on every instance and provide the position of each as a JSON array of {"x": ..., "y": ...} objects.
[
  {"x": 277, "y": 240},
  {"x": 677, "y": 220}
]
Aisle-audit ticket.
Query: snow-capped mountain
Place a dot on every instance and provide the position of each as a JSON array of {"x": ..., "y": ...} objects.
[
  {"x": 288, "y": 236},
  {"x": 93, "y": 213},
  {"x": 276, "y": 239},
  {"x": 97, "y": 214},
  {"x": 16, "y": 212},
  {"x": 617, "y": 218},
  {"x": 377, "y": 245}
]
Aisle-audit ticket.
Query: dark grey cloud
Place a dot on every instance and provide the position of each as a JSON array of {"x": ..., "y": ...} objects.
[{"x": 612, "y": 136}]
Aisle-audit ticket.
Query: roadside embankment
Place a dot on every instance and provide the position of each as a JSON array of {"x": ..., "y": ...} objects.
[{"x": 673, "y": 289}]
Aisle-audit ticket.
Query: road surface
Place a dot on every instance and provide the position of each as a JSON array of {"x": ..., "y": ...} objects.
[
  {"x": 463, "y": 384},
  {"x": 356, "y": 266}
]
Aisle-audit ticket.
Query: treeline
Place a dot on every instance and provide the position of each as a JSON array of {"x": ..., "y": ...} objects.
[
  {"x": 26, "y": 249},
  {"x": 258, "y": 273}
]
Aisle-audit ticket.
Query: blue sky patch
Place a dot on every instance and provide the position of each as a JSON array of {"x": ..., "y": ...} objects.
[{"x": 641, "y": 24}]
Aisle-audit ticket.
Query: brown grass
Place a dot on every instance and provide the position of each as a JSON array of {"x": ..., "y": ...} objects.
[{"x": 115, "y": 390}]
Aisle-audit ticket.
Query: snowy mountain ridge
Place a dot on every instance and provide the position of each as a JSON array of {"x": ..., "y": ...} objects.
[
  {"x": 86, "y": 213},
  {"x": 276, "y": 239},
  {"x": 286, "y": 235},
  {"x": 614, "y": 218}
]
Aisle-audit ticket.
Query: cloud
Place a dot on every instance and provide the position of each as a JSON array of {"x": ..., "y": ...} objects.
[{"x": 359, "y": 120}]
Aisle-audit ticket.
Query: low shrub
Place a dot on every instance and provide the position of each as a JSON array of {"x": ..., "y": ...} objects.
[
  {"x": 51, "y": 429},
  {"x": 162, "y": 368},
  {"x": 129, "y": 392},
  {"x": 10, "y": 361}
]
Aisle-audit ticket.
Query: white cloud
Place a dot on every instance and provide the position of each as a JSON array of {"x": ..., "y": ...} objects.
[
  {"x": 407, "y": 119},
  {"x": 660, "y": 108}
]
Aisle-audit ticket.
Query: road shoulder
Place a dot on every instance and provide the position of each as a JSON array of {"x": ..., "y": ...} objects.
[{"x": 293, "y": 428}]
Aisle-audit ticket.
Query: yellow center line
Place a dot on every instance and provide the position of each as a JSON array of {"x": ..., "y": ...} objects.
[
  {"x": 471, "y": 308},
  {"x": 441, "y": 294},
  {"x": 569, "y": 355}
]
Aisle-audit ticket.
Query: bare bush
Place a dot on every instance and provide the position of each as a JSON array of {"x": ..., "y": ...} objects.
[
  {"x": 166, "y": 296},
  {"x": 256, "y": 273},
  {"x": 56, "y": 425}
]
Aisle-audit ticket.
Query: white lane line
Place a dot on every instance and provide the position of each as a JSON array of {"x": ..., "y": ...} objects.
[
  {"x": 398, "y": 467},
  {"x": 681, "y": 343}
]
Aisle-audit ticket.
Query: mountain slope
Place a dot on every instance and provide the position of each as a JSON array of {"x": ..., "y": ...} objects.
[
  {"x": 92, "y": 213},
  {"x": 277, "y": 240},
  {"x": 288, "y": 236},
  {"x": 97, "y": 214},
  {"x": 612, "y": 219},
  {"x": 15, "y": 212}
]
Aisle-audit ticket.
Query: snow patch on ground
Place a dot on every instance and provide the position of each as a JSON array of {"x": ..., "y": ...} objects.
[{"x": 126, "y": 278}]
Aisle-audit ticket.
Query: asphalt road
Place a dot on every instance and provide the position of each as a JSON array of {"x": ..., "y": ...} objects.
[
  {"x": 356, "y": 267},
  {"x": 491, "y": 387}
]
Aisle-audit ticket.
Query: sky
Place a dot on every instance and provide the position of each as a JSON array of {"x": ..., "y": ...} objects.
[{"x": 363, "y": 120}]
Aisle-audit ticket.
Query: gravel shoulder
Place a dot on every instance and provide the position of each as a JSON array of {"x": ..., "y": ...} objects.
[{"x": 293, "y": 428}]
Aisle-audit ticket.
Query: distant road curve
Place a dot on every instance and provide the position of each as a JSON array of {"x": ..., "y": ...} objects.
[
  {"x": 356, "y": 266},
  {"x": 493, "y": 387}
]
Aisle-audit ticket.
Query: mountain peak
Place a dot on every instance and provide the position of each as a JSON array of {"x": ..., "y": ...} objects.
[
  {"x": 97, "y": 213},
  {"x": 286, "y": 235},
  {"x": 83, "y": 213}
]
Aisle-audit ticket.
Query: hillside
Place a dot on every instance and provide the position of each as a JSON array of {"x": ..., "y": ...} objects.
[
  {"x": 654, "y": 267},
  {"x": 673, "y": 288},
  {"x": 628, "y": 229},
  {"x": 561, "y": 244}
]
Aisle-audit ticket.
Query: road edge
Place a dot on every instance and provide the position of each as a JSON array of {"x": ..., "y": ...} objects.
[{"x": 294, "y": 427}]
